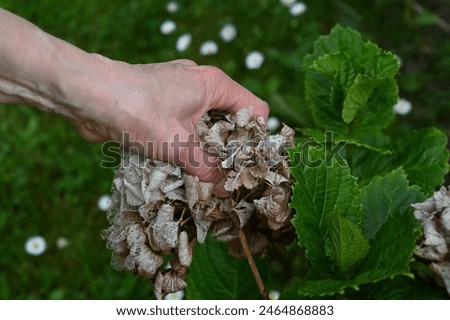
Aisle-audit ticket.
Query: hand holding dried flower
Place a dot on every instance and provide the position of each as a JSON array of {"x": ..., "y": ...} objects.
[
  {"x": 159, "y": 210},
  {"x": 157, "y": 104}
]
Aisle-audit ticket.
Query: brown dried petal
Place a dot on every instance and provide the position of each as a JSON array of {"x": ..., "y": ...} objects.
[
  {"x": 202, "y": 223},
  {"x": 225, "y": 231},
  {"x": 442, "y": 199},
  {"x": 445, "y": 221},
  {"x": 244, "y": 116},
  {"x": 196, "y": 191},
  {"x": 163, "y": 231},
  {"x": 244, "y": 211},
  {"x": 167, "y": 282},
  {"x": 184, "y": 249},
  {"x": 143, "y": 261},
  {"x": 133, "y": 194},
  {"x": 442, "y": 272}
]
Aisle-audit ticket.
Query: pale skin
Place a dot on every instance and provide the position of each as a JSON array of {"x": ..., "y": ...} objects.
[{"x": 104, "y": 98}]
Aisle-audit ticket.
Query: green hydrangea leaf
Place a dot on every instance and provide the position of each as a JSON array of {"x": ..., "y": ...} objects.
[
  {"x": 357, "y": 96},
  {"x": 424, "y": 156},
  {"x": 391, "y": 247},
  {"x": 323, "y": 185},
  {"x": 383, "y": 197},
  {"x": 350, "y": 88},
  {"x": 340, "y": 39},
  {"x": 347, "y": 242},
  {"x": 215, "y": 274}
]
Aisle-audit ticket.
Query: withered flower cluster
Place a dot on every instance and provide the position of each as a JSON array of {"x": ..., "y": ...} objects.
[
  {"x": 159, "y": 211},
  {"x": 434, "y": 249}
]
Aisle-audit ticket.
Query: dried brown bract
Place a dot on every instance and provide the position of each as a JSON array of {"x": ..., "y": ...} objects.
[
  {"x": 159, "y": 211},
  {"x": 434, "y": 214}
]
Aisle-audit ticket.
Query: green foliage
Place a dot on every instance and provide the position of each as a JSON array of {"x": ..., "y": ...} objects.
[
  {"x": 358, "y": 232},
  {"x": 215, "y": 275},
  {"x": 350, "y": 87}
]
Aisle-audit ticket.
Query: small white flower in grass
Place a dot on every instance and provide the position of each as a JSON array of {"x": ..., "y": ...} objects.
[
  {"x": 167, "y": 27},
  {"x": 209, "y": 48},
  {"x": 274, "y": 295},
  {"x": 172, "y": 6},
  {"x": 104, "y": 202},
  {"x": 298, "y": 8},
  {"x": 62, "y": 243},
  {"x": 287, "y": 3},
  {"x": 273, "y": 123},
  {"x": 179, "y": 295},
  {"x": 35, "y": 245},
  {"x": 254, "y": 60},
  {"x": 402, "y": 107},
  {"x": 183, "y": 42},
  {"x": 228, "y": 32}
]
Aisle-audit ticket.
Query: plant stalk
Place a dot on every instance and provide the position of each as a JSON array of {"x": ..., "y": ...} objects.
[{"x": 253, "y": 267}]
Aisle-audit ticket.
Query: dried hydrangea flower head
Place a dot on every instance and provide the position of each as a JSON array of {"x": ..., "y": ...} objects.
[
  {"x": 159, "y": 211},
  {"x": 434, "y": 249}
]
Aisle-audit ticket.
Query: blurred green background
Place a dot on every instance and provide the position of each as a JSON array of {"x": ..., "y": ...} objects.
[{"x": 51, "y": 179}]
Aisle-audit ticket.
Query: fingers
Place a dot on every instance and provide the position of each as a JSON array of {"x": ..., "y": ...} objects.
[
  {"x": 226, "y": 94},
  {"x": 203, "y": 165},
  {"x": 185, "y": 62}
]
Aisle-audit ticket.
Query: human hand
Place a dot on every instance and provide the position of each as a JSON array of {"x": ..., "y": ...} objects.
[
  {"x": 158, "y": 106},
  {"x": 154, "y": 104}
]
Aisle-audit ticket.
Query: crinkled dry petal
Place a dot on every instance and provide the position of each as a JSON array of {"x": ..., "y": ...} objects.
[
  {"x": 167, "y": 282},
  {"x": 445, "y": 221},
  {"x": 244, "y": 116},
  {"x": 184, "y": 249},
  {"x": 143, "y": 261},
  {"x": 133, "y": 194},
  {"x": 202, "y": 223},
  {"x": 196, "y": 191},
  {"x": 225, "y": 230},
  {"x": 442, "y": 272},
  {"x": 442, "y": 199},
  {"x": 275, "y": 179},
  {"x": 132, "y": 175},
  {"x": 163, "y": 231},
  {"x": 171, "y": 184},
  {"x": 176, "y": 195},
  {"x": 219, "y": 132},
  {"x": 434, "y": 215},
  {"x": 244, "y": 211}
]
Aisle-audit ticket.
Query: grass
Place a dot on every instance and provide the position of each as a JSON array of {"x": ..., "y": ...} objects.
[{"x": 51, "y": 179}]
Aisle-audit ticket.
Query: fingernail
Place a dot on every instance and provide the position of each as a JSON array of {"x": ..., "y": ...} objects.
[{"x": 219, "y": 189}]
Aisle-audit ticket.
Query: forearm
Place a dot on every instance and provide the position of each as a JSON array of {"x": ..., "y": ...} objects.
[{"x": 42, "y": 71}]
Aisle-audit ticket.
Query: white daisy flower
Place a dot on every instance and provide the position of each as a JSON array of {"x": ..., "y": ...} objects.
[
  {"x": 167, "y": 27},
  {"x": 274, "y": 295},
  {"x": 35, "y": 245},
  {"x": 62, "y": 243},
  {"x": 228, "y": 32},
  {"x": 179, "y": 295},
  {"x": 287, "y": 3},
  {"x": 183, "y": 42},
  {"x": 172, "y": 6},
  {"x": 104, "y": 203},
  {"x": 209, "y": 48},
  {"x": 402, "y": 107},
  {"x": 298, "y": 8},
  {"x": 254, "y": 60},
  {"x": 273, "y": 123}
]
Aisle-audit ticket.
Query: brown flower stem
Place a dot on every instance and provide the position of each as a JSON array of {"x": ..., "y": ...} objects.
[{"x": 252, "y": 264}]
